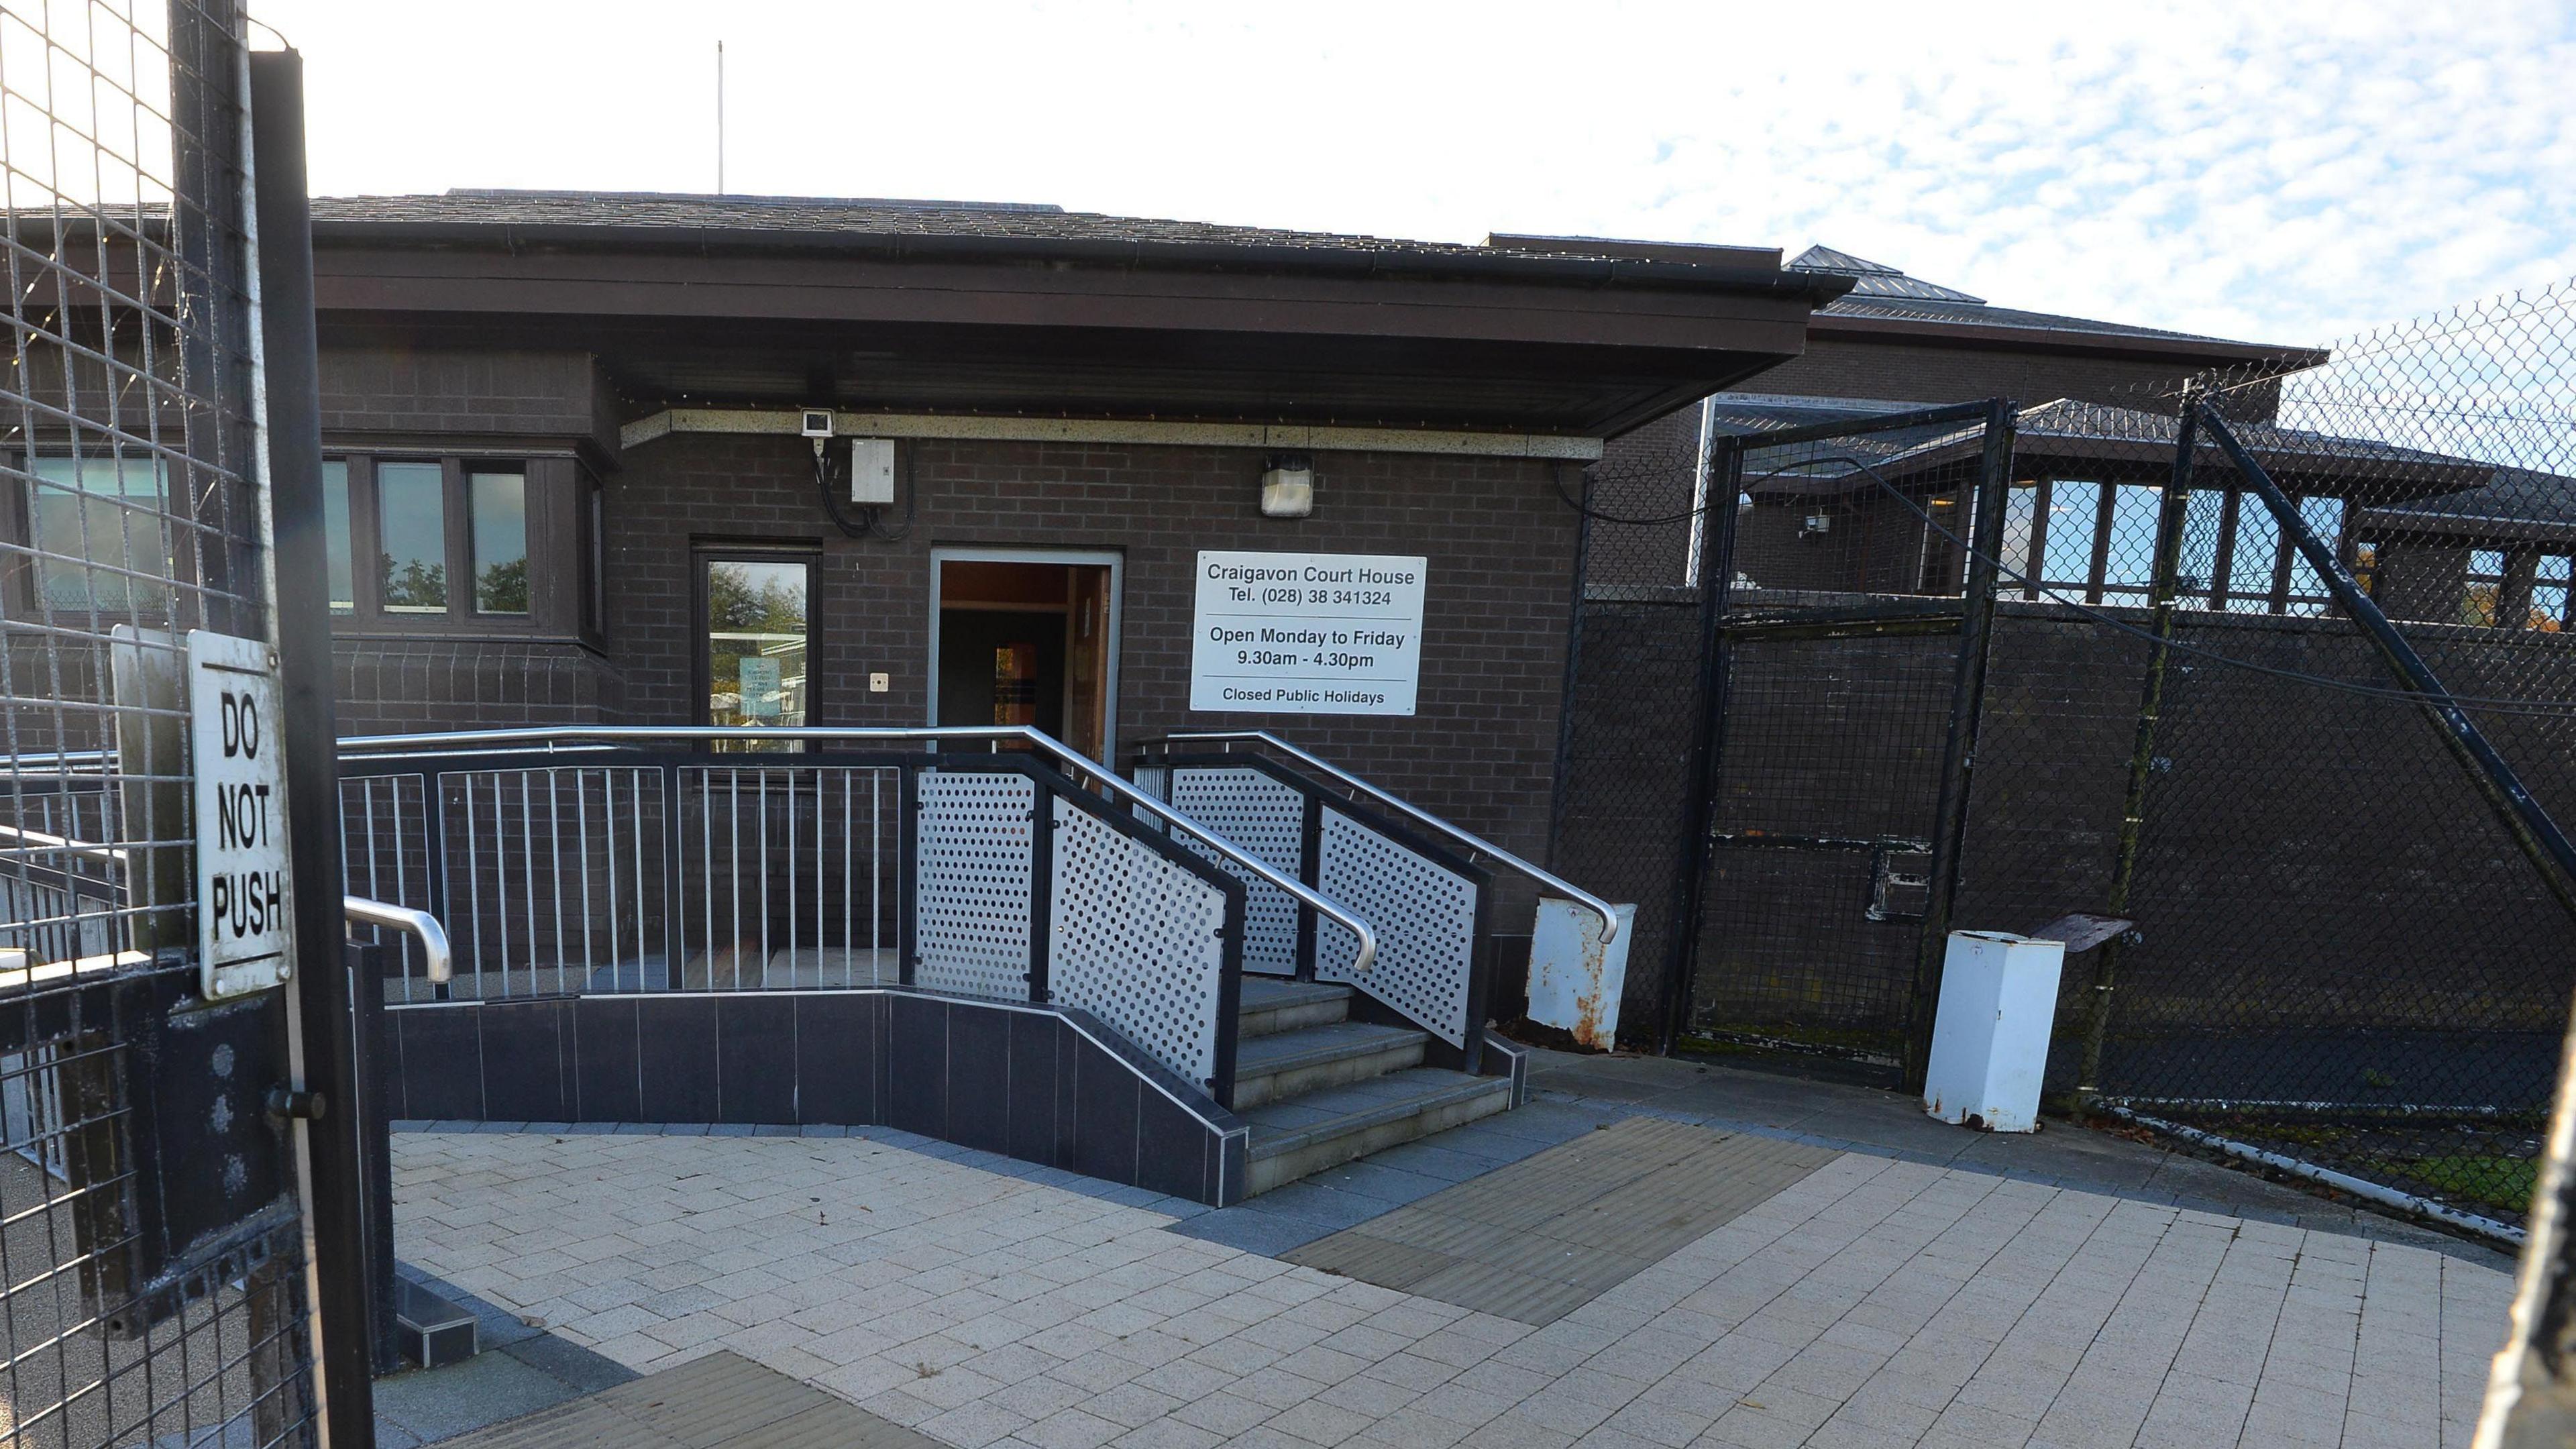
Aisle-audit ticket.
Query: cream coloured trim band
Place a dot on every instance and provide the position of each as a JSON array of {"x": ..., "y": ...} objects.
[{"x": 1085, "y": 430}]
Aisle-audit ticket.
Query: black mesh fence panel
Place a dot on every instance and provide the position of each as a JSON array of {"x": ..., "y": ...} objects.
[{"x": 152, "y": 1273}]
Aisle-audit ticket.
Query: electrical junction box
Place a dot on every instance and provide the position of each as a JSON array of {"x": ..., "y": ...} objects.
[
  {"x": 1990, "y": 1032},
  {"x": 872, "y": 472}
]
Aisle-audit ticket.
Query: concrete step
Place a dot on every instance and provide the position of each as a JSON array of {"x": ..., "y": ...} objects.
[
  {"x": 1304, "y": 1135},
  {"x": 1273, "y": 1004},
  {"x": 1278, "y": 1065}
]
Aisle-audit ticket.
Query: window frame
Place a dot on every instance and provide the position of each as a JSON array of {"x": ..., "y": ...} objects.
[
  {"x": 554, "y": 608},
  {"x": 805, "y": 552},
  {"x": 21, "y": 571}
]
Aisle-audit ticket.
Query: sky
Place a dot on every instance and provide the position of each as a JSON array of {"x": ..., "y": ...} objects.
[{"x": 2281, "y": 171}]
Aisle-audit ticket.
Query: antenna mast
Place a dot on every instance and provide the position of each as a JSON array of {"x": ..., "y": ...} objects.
[{"x": 720, "y": 118}]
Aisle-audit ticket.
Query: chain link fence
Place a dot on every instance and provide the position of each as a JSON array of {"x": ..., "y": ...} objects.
[
  {"x": 2343, "y": 957},
  {"x": 152, "y": 1283},
  {"x": 2340, "y": 958}
]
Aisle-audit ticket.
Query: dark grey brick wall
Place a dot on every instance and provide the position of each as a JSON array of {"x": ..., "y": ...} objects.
[
  {"x": 2313, "y": 857},
  {"x": 1500, "y": 542}
]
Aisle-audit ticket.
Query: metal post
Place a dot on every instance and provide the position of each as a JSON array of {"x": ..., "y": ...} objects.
[
  {"x": 365, "y": 964},
  {"x": 1716, "y": 565},
  {"x": 1041, "y": 885},
  {"x": 337, "y": 1187},
  {"x": 2164, "y": 582},
  {"x": 675, "y": 922},
  {"x": 2522, "y": 817},
  {"x": 1959, "y": 748}
]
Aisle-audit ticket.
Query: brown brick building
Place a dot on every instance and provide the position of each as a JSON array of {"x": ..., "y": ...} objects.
[{"x": 569, "y": 466}]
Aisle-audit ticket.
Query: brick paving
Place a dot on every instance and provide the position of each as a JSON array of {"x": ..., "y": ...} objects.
[{"x": 1876, "y": 1301}]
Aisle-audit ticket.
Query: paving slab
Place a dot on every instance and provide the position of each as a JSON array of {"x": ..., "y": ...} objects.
[{"x": 1877, "y": 1299}]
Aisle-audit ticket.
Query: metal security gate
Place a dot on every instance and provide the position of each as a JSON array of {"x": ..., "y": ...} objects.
[
  {"x": 154, "y": 1254},
  {"x": 1771, "y": 715}
]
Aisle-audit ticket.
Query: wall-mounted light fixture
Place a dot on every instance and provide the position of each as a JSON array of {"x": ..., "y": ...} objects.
[
  {"x": 1288, "y": 486},
  {"x": 1817, "y": 523}
]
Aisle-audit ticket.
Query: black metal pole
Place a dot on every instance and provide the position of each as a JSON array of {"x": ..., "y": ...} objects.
[
  {"x": 2532, "y": 830},
  {"x": 1708, "y": 736},
  {"x": 2163, "y": 583},
  {"x": 337, "y": 1187},
  {"x": 1959, "y": 747}
]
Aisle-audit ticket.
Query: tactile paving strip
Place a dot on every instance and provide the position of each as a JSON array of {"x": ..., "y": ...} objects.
[
  {"x": 721, "y": 1401},
  {"x": 1536, "y": 1240}
]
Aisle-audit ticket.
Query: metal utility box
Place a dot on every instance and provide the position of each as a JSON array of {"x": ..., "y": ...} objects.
[
  {"x": 1575, "y": 977},
  {"x": 1990, "y": 1038},
  {"x": 872, "y": 472}
]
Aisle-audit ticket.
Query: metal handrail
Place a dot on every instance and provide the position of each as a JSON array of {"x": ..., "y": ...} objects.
[
  {"x": 548, "y": 737},
  {"x": 421, "y": 924},
  {"x": 437, "y": 960},
  {"x": 1420, "y": 816},
  {"x": 40, "y": 843}
]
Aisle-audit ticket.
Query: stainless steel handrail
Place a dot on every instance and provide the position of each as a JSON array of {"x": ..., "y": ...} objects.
[
  {"x": 40, "y": 843},
  {"x": 549, "y": 736},
  {"x": 432, "y": 936},
  {"x": 1478, "y": 843},
  {"x": 437, "y": 961}
]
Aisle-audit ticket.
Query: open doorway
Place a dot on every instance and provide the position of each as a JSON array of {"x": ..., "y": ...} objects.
[{"x": 1026, "y": 637}]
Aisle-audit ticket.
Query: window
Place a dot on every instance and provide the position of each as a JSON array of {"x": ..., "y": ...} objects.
[
  {"x": 335, "y": 536},
  {"x": 2074, "y": 516},
  {"x": 2516, "y": 589},
  {"x": 448, "y": 543},
  {"x": 2324, "y": 517},
  {"x": 411, "y": 532},
  {"x": 755, "y": 630},
  {"x": 497, "y": 510},
  {"x": 2549, "y": 593},
  {"x": 2485, "y": 582},
  {"x": 2254, "y": 559},
  {"x": 2129, "y": 565},
  {"x": 99, "y": 535}
]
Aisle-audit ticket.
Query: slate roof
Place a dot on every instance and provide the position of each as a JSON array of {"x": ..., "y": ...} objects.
[
  {"x": 2516, "y": 499},
  {"x": 998, "y": 225},
  {"x": 1882, "y": 292},
  {"x": 2100, "y": 432}
]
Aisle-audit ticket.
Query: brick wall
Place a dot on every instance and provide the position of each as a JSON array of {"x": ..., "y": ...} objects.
[
  {"x": 1500, "y": 542},
  {"x": 2313, "y": 859},
  {"x": 561, "y": 395}
]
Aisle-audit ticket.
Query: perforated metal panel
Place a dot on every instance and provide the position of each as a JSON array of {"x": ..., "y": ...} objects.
[
  {"x": 1424, "y": 915},
  {"x": 1134, "y": 940},
  {"x": 971, "y": 917},
  {"x": 1267, "y": 818}
]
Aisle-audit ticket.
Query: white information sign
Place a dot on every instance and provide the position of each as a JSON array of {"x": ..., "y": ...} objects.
[
  {"x": 1307, "y": 633},
  {"x": 244, "y": 906}
]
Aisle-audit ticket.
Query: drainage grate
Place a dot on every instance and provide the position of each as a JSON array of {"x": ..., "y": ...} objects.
[{"x": 1536, "y": 1240}]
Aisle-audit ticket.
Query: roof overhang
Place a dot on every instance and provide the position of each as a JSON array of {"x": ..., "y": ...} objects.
[{"x": 1582, "y": 346}]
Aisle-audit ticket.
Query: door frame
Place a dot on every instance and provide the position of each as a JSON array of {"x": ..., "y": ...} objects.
[{"x": 1115, "y": 561}]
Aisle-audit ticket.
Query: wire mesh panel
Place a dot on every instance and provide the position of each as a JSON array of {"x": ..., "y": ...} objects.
[
  {"x": 1423, "y": 912},
  {"x": 974, "y": 841},
  {"x": 1634, "y": 702},
  {"x": 1268, "y": 818},
  {"x": 1138, "y": 940},
  {"x": 152, "y": 1281}
]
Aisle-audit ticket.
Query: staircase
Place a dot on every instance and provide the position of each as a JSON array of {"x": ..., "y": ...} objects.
[{"x": 1320, "y": 1089}]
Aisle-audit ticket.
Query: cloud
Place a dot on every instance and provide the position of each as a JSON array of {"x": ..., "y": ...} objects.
[{"x": 2288, "y": 172}]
